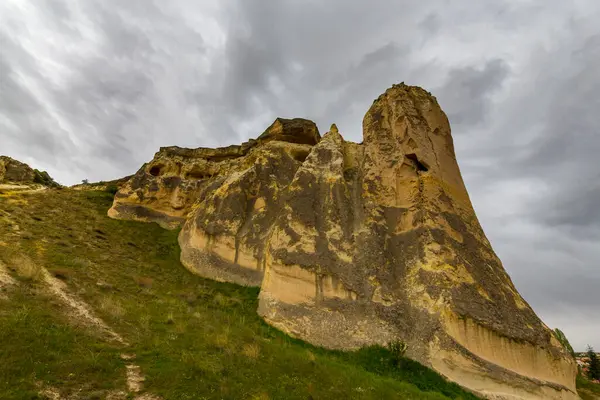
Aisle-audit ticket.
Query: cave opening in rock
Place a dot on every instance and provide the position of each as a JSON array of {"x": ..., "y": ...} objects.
[
  {"x": 420, "y": 165},
  {"x": 299, "y": 155},
  {"x": 155, "y": 170}
]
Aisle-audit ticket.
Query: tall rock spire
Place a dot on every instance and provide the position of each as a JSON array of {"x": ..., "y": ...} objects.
[{"x": 360, "y": 244}]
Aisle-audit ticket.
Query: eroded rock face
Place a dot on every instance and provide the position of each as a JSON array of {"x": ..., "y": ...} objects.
[
  {"x": 178, "y": 180},
  {"x": 358, "y": 244}
]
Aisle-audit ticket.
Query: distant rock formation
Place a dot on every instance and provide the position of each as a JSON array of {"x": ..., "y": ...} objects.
[
  {"x": 115, "y": 185},
  {"x": 358, "y": 244},
  {"x": 13, "y": 172}
]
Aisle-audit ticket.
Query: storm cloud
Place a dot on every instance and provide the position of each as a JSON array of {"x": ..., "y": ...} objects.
[{"x": 91, "y": 89}]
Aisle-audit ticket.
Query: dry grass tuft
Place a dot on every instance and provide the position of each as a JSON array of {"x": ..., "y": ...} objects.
[
  {"x": 261, "y": 396},
  {"x": 144, "y": 322},
  {"x": 189, "y": 298},
  {"x": 220, "y": 300},
  {"x": 235, "y": 300},
  {"x": 144, "y": 281},
  {"x": 221, "y": 340},
  {"x": 25, "y": 268},
  {"x": 203, "y": 362},
  {"x": 170, "y": 318},
  {"x": 251, "y": 350},
  {"x": 15, "y": 202},
  {"x": 112, "y": 307},
  {"x": 82, "y": 262}
]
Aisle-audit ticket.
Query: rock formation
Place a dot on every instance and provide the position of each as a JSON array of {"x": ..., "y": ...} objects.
[
  {"x": 113, "y": 185},
  {"x": 13, "y": 172},
  {"x": 358, "y": 244}
]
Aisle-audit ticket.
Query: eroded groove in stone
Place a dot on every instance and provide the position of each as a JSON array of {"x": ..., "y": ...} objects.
[{"x": 357, "y": 244}]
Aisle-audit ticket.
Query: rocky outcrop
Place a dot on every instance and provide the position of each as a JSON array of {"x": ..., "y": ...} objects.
[
  {"x": 178, "y": 180},
  {"x": 16, "y": 173},
  {"x": 358, "y": 244}
]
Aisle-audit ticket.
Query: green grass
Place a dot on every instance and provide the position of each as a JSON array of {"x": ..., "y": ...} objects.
[
  {"x": 587, "y": 390},
  {"x": 194, "y": 338},
  {"x": 38, "y": 346}
]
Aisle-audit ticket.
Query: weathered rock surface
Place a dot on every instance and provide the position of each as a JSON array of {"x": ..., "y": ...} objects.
[
  {"x": 178, "y": 180},
  {"x": 358, "y": 244},
  {"x": 15, "y": 174}
]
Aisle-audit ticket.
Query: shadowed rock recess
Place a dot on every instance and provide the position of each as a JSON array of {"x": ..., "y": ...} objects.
[{"x": 358, "y": 244}]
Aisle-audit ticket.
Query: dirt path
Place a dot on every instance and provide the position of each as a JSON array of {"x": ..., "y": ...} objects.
[
  {"x": 78, "y": 307},
  {"x": 135, "y": 379},
  {"x": 5, "y": 280},
  {"x": 21, "y": 188},
  {"x": 82, "y": 311},
  {"x": 51, "y": 393}
]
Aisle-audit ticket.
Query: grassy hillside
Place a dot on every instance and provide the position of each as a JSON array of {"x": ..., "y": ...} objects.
[{"x": 192, "y": 338}]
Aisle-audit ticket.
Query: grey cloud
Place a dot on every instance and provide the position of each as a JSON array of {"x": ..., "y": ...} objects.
[
  {"x": 20, "y": 101},
  {"x": 543, "y": 130},
  {"x": 467, "y": 93},
  {"x": 20, "y": 104},
  {"x": 430, "y": 24},
  {"x": 577, "y": 210},
  {"x": 108, "y": 89},
  {"x": 57, "y": 9},
  {"x": 565, "y": 153}
]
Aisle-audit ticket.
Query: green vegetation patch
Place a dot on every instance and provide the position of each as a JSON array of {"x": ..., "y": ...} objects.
[
  {"x": 40, "y": 349},
  {"x": 193, "y": 338}
]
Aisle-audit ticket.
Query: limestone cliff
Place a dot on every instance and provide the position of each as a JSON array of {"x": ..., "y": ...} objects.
[
  {"x": 358, "y": 244},
  {"x": 178, "y": 180}
]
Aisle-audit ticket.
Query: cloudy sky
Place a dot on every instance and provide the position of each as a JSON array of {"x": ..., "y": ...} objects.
[{"x": 90, "y": 89}]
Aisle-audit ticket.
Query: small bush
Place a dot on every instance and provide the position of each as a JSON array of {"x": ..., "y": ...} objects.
[
  {"x": 562, "y": 338},
  {"x": 112, "y": 189},
  {"x": 43, "y": 178},
  {"x": 397, "y": 349}
]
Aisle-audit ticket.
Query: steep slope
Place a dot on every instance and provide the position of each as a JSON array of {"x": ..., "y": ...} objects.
[
  {"x": 359, "y": 244},
  {"x": 97, "y": 308}
]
